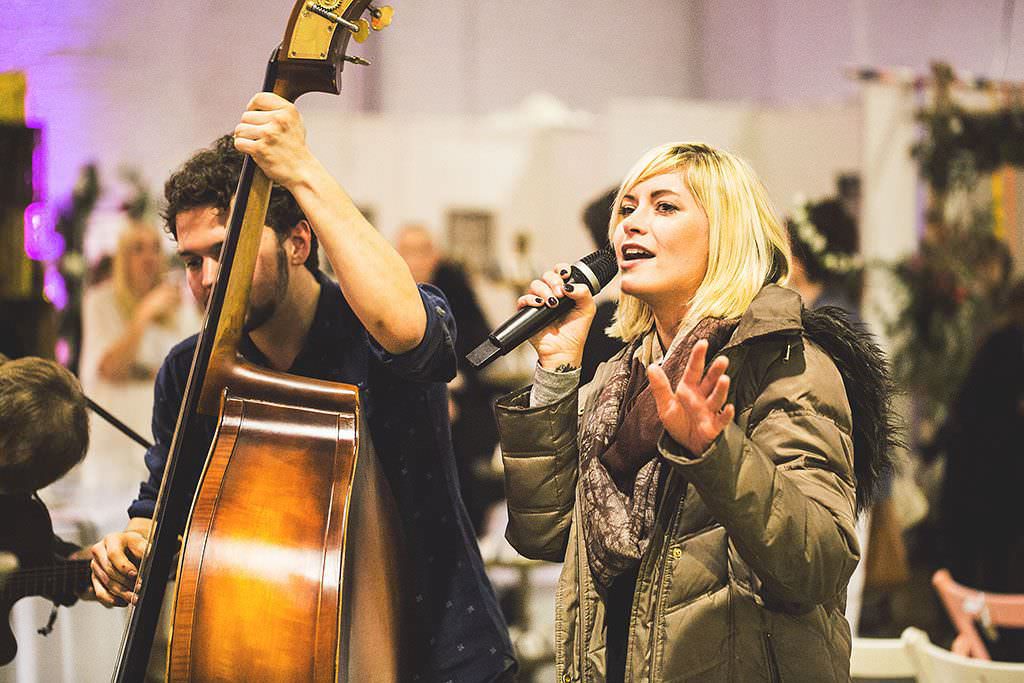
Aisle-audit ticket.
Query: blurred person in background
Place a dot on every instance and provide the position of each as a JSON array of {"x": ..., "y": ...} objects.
[
  {"x": 130, "y": 322},
  {"x": 44, "y": 424},
  {"x": 474, "y": 431},
  {"x": 981, "y": 538},
  {"x": 827, "y": 270},
  {"x": 600, "y": 346},
  {"x": 44, "y": 432}
]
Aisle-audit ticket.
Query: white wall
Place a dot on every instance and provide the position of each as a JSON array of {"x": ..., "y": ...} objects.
[
  {"x": 415, "y": 168},
  {"x": 478, "y": 55},
  {"x": 786, "y": 51},
  {"x": 890, "y": 207},
  {"x": 131, "y": 83},
  {"x": 795, "y": 150}
]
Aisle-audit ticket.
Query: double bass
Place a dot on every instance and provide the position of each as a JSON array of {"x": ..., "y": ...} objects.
[{"x": 289, "y": 566}]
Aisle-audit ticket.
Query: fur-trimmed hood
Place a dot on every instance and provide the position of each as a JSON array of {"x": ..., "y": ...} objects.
[{"x": 870, "y": 389}]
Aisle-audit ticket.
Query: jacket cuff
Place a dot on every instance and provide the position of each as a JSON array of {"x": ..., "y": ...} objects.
[
  {"x": 715, "y": 462},
  {"x": 526, "y": 430}
]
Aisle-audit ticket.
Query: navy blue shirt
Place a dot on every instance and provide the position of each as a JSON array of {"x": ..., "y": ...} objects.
[{"x": 460, "y": 634}]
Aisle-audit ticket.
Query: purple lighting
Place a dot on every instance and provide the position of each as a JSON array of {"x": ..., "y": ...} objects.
[
  {"x": 62, "y": 351},
  {"x": 54, "y": 289},
  {"x": 42, "y": 242}
]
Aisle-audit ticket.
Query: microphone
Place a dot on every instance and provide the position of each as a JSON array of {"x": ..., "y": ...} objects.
[{"x": 594, "y": 270}]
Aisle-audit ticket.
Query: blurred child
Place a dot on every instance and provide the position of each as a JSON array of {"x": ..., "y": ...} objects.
[
  {"x": 44, "y": 432},
  {"x": 44, "y": 425}
]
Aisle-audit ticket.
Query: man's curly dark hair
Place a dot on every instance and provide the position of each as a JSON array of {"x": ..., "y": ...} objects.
[{"x": 209, "y": 178}]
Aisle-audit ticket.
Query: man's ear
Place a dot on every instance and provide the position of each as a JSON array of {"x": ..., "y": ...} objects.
[{"x": 301, "y": 239}]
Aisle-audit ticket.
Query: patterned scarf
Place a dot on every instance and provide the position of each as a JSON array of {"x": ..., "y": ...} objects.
[{"x": 619, "y": 467}]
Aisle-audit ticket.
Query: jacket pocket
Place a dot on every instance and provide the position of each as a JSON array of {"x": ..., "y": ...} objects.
[
  {"x": 697, "y": 566},
  {"x": 694, "y": 639}
]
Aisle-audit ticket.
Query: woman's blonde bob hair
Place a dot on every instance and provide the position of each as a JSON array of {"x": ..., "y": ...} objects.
[{"x": 748, "y": 246}]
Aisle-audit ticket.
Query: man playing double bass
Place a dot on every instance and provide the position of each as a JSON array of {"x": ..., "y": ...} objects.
[{"x": 375, "y": 329}]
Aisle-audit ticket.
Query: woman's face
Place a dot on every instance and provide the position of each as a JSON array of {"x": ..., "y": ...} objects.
[
  {"x": 145, "y": 260},
  {"x": 661, "y": 242}
]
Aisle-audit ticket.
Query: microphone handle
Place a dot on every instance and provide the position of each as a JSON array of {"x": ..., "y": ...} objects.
[
  {"x": 520, "y": 327},
  {"x": 531, "y": 320},
  {"x": 528, "y": 321}
]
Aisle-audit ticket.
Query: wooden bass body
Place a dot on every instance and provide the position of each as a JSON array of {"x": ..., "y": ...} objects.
[{"x": 291, "y": 567}]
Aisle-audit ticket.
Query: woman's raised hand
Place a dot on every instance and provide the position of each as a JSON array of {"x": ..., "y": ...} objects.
[
  {"x": 695, "y": 413},
  {"x": 160, "y": 300},
  {"x": 562, "y": 341}
]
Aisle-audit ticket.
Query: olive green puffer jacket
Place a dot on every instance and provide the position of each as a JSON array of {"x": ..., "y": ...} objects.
[{"x": 745, "y": 578}]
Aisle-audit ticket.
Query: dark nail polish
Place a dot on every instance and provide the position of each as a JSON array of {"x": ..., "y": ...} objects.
[
  {"x": 552, "y": 301},
  {"x": 568, "y": 287},
  {"x": 563, "y": 272},
  {"x": 538, "y": 300}
]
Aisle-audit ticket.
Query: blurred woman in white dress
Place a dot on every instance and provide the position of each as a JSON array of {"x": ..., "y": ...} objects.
[{"x": 130, "y": 322}]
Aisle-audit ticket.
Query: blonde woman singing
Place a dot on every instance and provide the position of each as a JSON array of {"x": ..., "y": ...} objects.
[{"x": 702, "y": 489}]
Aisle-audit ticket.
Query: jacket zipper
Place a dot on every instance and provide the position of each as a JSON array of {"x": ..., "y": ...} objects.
[
  {"x": 773, "y": 666},
  {"x": 667, "y": 550},
  {"x": 581, "y": 566}
]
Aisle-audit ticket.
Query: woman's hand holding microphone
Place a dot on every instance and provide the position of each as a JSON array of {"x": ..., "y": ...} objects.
[{"x": 561, "y": 342}]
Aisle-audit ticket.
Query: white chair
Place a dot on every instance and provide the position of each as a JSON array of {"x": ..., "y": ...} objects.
[
  {"x": 880, "y": 658},
  {"x": 937, "y": 665}
]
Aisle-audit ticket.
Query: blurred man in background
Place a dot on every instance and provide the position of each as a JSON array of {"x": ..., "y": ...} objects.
[{"x": 474, "y": 431}]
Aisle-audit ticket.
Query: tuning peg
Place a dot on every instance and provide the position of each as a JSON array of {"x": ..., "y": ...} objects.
[
  {"x": 359, "y": 61},
  {"x": 359, "y": 28},
  {"x": 381, "y": 17},
  {"x": 362, "y": 30},
  {"x": 315, "y": 8}
]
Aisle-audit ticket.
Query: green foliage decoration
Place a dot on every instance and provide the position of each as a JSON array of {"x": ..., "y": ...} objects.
[{"x": 953, "y": 285}]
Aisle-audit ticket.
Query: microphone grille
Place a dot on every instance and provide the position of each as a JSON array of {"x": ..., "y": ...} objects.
[{"x": 603, "y": 264}]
